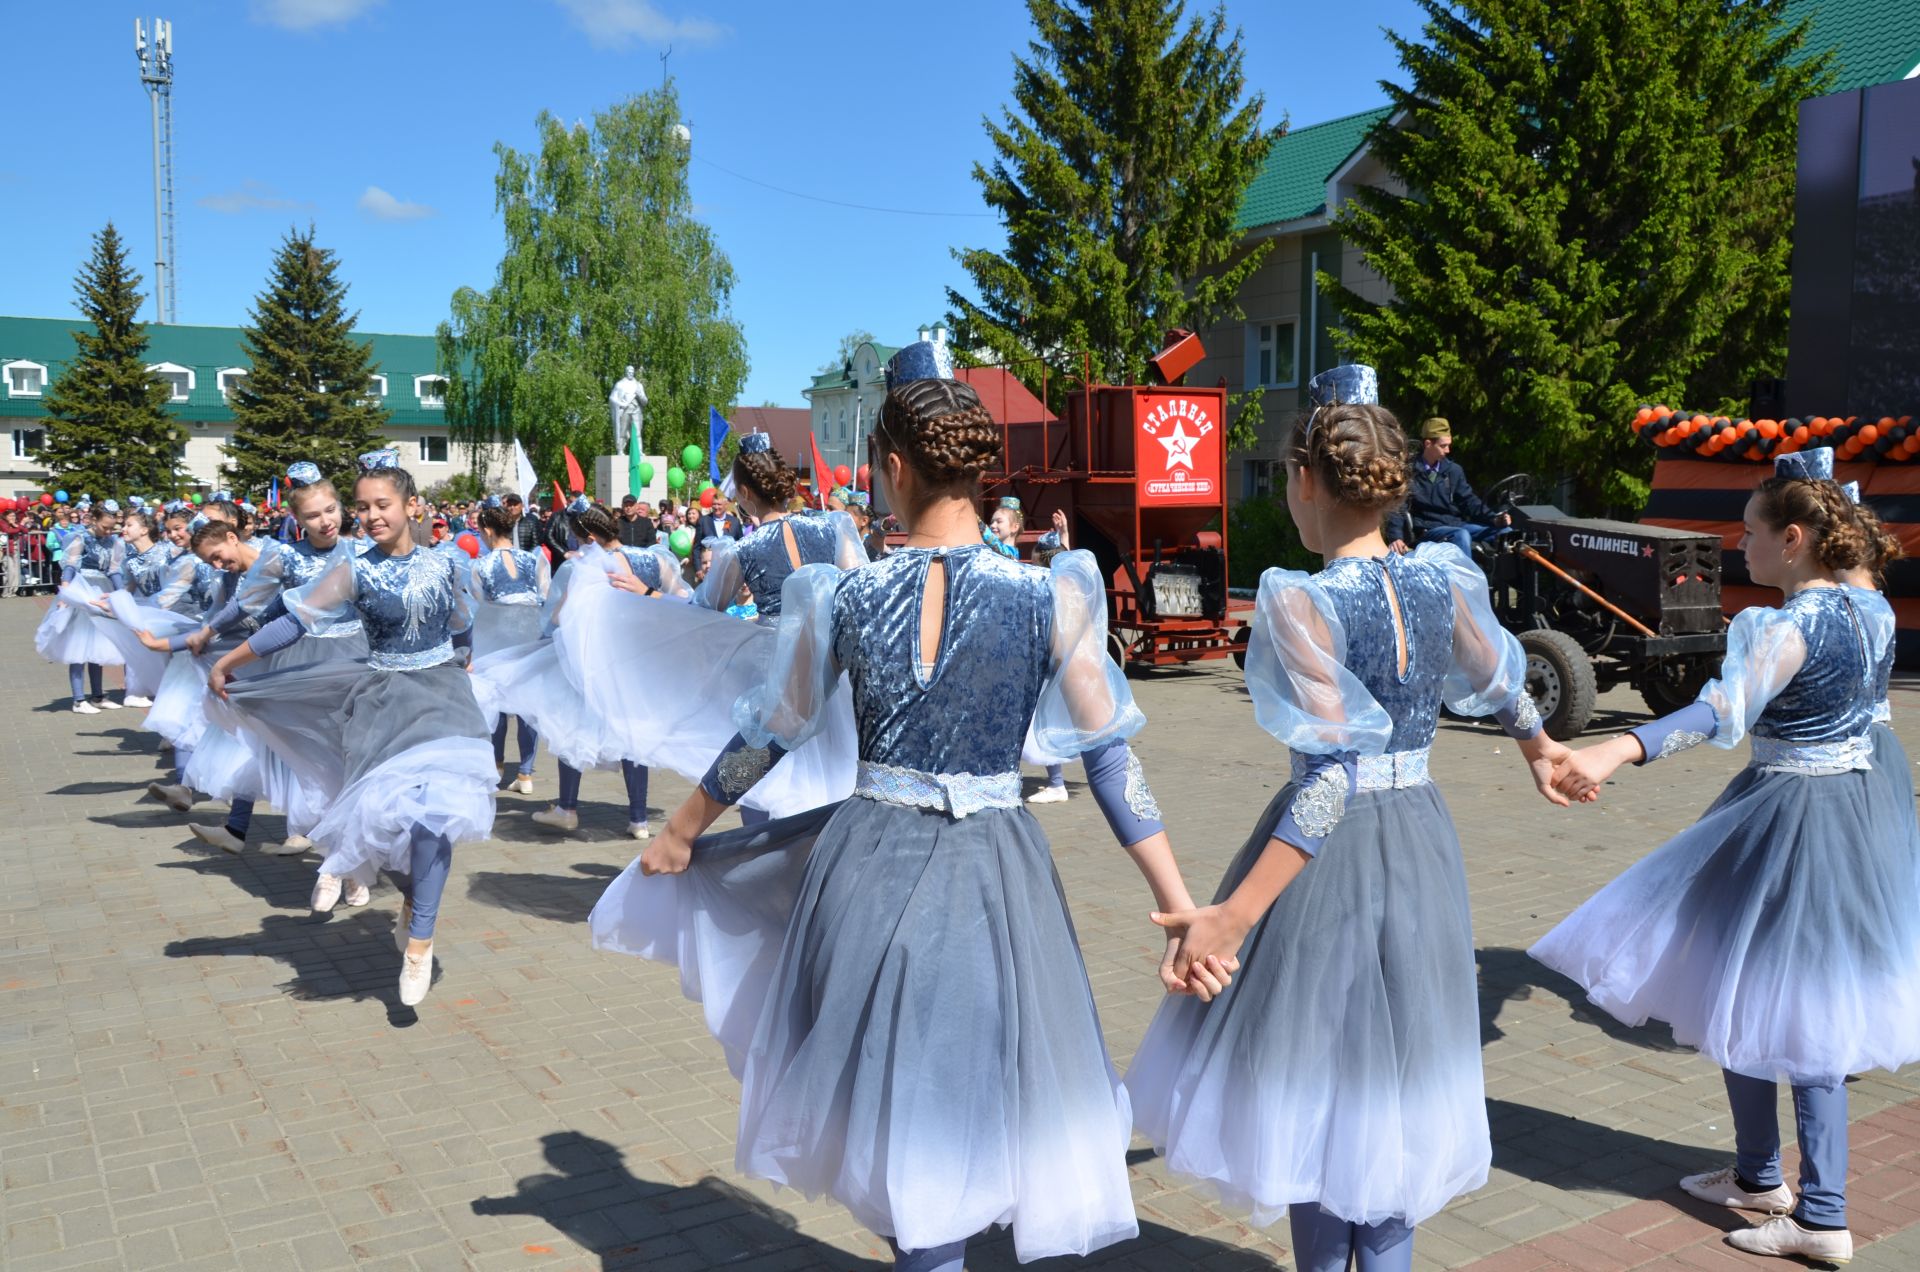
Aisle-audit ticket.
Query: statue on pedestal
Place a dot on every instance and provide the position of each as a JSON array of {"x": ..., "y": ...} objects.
[{"x": 629, "y": 396}]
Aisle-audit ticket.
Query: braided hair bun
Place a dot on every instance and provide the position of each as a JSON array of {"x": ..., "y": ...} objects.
[
  {"x": 1883, "y": 547},
  {"x": 1358, "y": 452},
  {"x": 1820, "y": 506},
  {"x": 940, "y": 429},
  {"x": 766, "y": 474},
  {"x": 595, "y": 522}
]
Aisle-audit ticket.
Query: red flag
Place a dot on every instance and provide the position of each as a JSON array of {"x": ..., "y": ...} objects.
[
  {"x": 559, "y": 500},
  {"x": 821, "y": 473},
  {"x": 575, "y": 478}
]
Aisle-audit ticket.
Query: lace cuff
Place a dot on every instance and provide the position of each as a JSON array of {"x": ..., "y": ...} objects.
[
  {"x": 738, "y": 767},
  {"x": 1120, "y": 788},
  {"x": 1322, "y": 784},
  {"x": 1676, "y": 731},
  {"x": 1520, "y": 717}
]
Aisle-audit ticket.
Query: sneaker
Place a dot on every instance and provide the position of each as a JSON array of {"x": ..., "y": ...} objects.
[
  {"x": 1780, "y": 1235},
  {"x": 522, "y": 784},
  {"x": 639, "y": 830},
  {"x": 137, "y": 700},
  {"x": 293, "y": 846},
  {"x": 1720, "y": 1188},
  {"x": 416, "y": 977},
  {"x": 357, "y": 893},
  {"x": 1048, "y": 795},
  {"x": 178, "y": 798},
  {"x": 558, "y": 818},
  {"x": 326, "y": 893},
  {"x": 83, "y": 707},
  {"x": 219, "y": 836},
  {"x": 108, "y": 704}
]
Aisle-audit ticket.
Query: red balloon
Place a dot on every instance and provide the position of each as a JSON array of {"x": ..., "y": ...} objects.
[
  {"x": 842, "y": 475},
  {"x": 45, "y": 500},
  {"x": 6, "y": 505},
  {"x": 706, "y": 497},
  {"x": 469, "y": 545},
  {"x": 866, "y": 476}
]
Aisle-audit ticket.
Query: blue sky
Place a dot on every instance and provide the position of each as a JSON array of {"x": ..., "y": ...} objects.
[{"x": 376, "y": 119}]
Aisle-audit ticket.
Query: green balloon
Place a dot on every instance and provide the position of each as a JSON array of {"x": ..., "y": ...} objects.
[
  {"x": 199, "y": 498},
  {"x": 704, "y": 486},
  {"x": 692, "y": 456},
  {"x": 676, "y": 478},
  {"x": 646, "y": 473},
  {"x": 681, "y": 541}
]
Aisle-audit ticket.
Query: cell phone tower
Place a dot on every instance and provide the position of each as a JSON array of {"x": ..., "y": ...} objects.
[{"x": 156, "y": 75}]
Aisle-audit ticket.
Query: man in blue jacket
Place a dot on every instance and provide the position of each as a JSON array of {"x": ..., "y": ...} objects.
[{"x": 1441, "y": 508}]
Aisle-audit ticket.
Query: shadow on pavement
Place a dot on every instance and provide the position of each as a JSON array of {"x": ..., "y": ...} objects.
[
  {"x": 1568, "y": 1153},
  {"x": 562, "y": 898},
  {"x": 97, "y": 788},
  {"x": 1507, "y": 975},
  {"x": 633, "y": 1223},
  {"x": 349, "y": 955}
]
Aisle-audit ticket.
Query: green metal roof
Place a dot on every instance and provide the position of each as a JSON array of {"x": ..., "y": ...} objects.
[
  {"x": 1293, "y": 181},
  {"x": 208, "y": 351},
  {"x": 1874, "y": 41},
  {"x": 838, "y": 378}
]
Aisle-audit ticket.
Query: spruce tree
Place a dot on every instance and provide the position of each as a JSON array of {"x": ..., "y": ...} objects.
[
  {"x": 1121, "y": 166},
  {"x": 1598, "y": 211},
  {"x": 109, "y": 433},
  {"x": 308, "y": 389}
]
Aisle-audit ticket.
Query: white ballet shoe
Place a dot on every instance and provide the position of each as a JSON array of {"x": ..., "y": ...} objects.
[
  {"x": 219, "y": 836},
  {"x": 557, "y": 818},
  {"x": 1782, "y": 1236},
  {"x": 137, "y": 700},
  {"x": 521, "y": 785},
  {"x": 83, "y": 707},
  {"x": 357, "y": 893},
  {"x": 108, "y": 704},
  {"x": 293, "y": 846},
  {"x": 416, "y": 976},
  {"x": 639, "y": 830},
  {"x": 178, "y": 798},
  {"x": 326, "y": 893},
  {"x": 1721, "y": 1188},
  {"x": 1048, "y": 795}
]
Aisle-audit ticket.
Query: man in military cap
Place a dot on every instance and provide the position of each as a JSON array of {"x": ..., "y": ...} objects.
[{"x": 1441, "y": 507}]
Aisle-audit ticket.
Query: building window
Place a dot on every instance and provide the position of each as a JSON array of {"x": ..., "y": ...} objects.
[
  {"x": 231, "y": 381},
  {"x": 376, "y": 389},
  {"x": 179, "y": 378},
  {"x": 842, "y": 434},
  {"x": 430, "y": 389},
  {"x": 1256, "y": 478},
  {"x": 27, "y": 442},
  {"x": 26, "y": 379},
  {"x": 1273, "y": 355},
  {"x": 433, "y": 450}
]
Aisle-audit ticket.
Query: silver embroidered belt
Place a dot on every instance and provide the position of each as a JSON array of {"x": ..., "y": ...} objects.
[
  {"x": 1813, "y": 759},
  {"x": 418, "y": 660},
  {"x": 954, "y": 793},
  {"x": 1390, "y": 771}
]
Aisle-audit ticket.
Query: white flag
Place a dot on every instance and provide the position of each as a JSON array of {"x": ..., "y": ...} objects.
[{"x": 524, "y": 480}]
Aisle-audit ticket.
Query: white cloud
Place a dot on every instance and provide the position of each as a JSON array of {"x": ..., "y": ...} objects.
[
  {"x": 306, "y": 15},
  {"x": 613, "y": 24},
  {"x": 252, "y": 196},
  {"x": 381, "y": 206}
]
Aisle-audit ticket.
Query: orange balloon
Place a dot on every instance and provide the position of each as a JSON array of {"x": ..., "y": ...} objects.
[
  {"x": 1867, "y": 436},
  {"x": 1801, "y": 434},
  {"x": 1769, "y": 428},
  {"x": 1642, "y": 415},
  {"x": 1819, "y": 426},
  {"x": 1661, "y": 412},
  {"x": 1753, "y": 452}
]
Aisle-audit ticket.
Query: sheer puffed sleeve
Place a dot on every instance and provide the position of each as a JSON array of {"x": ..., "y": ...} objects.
[
  {"x": 790, "y": 705},
  {"x": 1765, "y": 650},
  {"x": 542, "y": 574},
  {"x": 70, "y": 553},
  {"x": 724, "y": 573},
  {"x": 1489, "y": 672},
  {"x": 328, "y": 601},
  {"x": 556, "y": 597},
  {"x": 848, "y": 552},
  {"x": 667, "y": 579},
  {"x": 1305, "y": 695},
  {"x": 264, "y": 579},
  {"x": 176, "y": 581},
  {"x": 117, "y": 561}
]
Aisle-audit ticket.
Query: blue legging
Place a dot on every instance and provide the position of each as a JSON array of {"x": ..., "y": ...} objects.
[
  {"x": 636, "y": 779},
  {"x": 77, "y": 676},
  {"x": 430, "y": 861},
  {"x": 1328, "y": 1243},
  {"x": 944, "y": 1258},
  {"x": 239, "y": 817},
  {"x": 524, "y": 735},
  {"x": 1056, "y": 775},
  {"x": 1820, "y": 1117}
]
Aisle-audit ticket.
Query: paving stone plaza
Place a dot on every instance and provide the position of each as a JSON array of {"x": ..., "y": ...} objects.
[{"x": 194, "y": 1073}]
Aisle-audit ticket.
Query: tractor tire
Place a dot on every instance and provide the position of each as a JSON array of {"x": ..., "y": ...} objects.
[
  {"x": 1665, "y": 691},
  {"x": 1560, "y": 680},
  {"x": 1241, "y": 637},
  {"x": 1117, "y": 650}
]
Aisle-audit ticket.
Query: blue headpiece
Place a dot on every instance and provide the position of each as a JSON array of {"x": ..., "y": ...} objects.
[
  {"x": 579, "y": 504},
  {"x": 136, "y": 501},
  {"x": 385, "y": 457},
  {"x": 302, "y": 474},
  {"x": 921, "y": 360},
  {"x": 111, "y": 505},
  {"x": 858, "y": 498},
  {"x": 755, "y": 443},
  {"x": 227, "y": 495},
  {"x": 1049, "y": 542},
  {"x": 840, "y": 492},
  {"x": 491, "y": 501},
  {"x": 1349, "y": 384},
  {"x": 1009, "y": 503},
  {"x": 1812, "y": 465}
]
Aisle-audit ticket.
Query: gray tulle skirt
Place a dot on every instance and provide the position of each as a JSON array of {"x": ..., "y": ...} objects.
[
  {"x": 902, "y": 997},
  {"x": 247, "y": 753},
  {"x": 1342, "y": 1066},
  {"x": 1779, "y": 934}
]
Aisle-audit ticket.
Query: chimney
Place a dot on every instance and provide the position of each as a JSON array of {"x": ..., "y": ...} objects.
[
  {"x": 939, "y": 333},
  {"x": 923, "y": 331}
]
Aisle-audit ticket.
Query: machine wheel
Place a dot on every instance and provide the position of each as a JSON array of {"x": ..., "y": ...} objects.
[
  {"x": 1117, "y": 650},
  {"x": 1560, "y": 680},
  {"x": 1241, "y": 637},
  {"x": 1671, "y": 686}
]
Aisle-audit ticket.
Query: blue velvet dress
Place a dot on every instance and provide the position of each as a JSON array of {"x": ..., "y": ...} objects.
[
  {"x": 873, "y": 968},
  {"x": 1342, "y": 1066},
  {"x": 509, "y": 588},
  {"x": 73, "y": 631},
  {"x": 1779, "y": 934}
]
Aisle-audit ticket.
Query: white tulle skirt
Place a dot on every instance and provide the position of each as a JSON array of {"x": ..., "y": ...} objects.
[
  {"x": 179, "y": 711},
  {"x": 145, "y": 667},
  {"x": 73, "y": 631}
]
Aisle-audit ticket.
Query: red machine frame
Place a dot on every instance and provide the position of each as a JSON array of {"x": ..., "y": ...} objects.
[{"x": 1140, "y": 471}]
